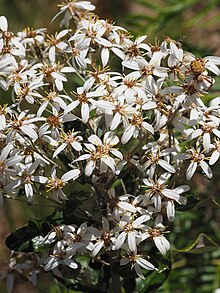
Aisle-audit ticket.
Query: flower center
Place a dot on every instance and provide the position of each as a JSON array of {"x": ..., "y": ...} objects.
[
  {"x": 53, "y": 121},
  {"x": 197, "y": 66}
]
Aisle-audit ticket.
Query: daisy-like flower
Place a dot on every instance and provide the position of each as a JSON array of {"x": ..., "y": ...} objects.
[
  {"x": 131, "y": 88},
  {"x": 56, "y": 121},
  {"x": 160, "y": 241},
  {"x": 83, "y": 98},
  {"x": 23, "y": 125},
  {"x": 118, "y": 206},
  {"x": 61, "y": 256},
  {"x": 175, "y": 53},
  {"x": 197, "y": 159},
  {"x": 117, "y": 110},
  {"x": 26, "y": 179},
  {"x": 144, "y": 69},
  {"x": 55, "y": 43},
  {"x": 9, "y": 44},
  {"x": 137, "y": 261},
  {"x": 28, "y": 91},
  {"x": 133, "y": 50},
  {"x": 154, "y": 159},
  {"x": 78, "y": 56},
  {"x": 56, "y": 184},
  {"x": 99, "y": 152},
  {"x": 198, "y": 66},
  {"x": 72, "y": 139},
  {"x": 90, "y": 32},
  {"x": 103, "y": 238},
  {"x": 59, "y": 234},
  {"x": 205, "y": 132},
  {"x": 53, "y": 99},
  {"x": 136, "y": 124},
  {"x": 54, "y": 72},
  {"x": 157, "y": 190},
  {"x": 73, "y": 8},
  {"x": 30, "y": 37},
  {"x": 128, "y": 231}
]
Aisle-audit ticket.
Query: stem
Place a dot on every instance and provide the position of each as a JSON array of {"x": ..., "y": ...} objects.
[
  {"x": 116, "y": 282},
  {"x": 25, "y": 201}
]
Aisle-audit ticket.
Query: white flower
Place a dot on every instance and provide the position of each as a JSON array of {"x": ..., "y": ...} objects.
[
  {"x": 197, "y": 158},
  {"x": 83, "y": 98},
  {"x": 56, "y": 44},
  {"x": 205, "y": 132},
  {"x": 53, "y": 99},
  {"x": 138, "y": 261},
  {"x": 100, "y": 152},
  {"x": 130, "y": 88},
  {"x": 55, "y": 72},
  {"x": 129, "y": 230},
  {"x": 160, "y": 241},
  {"x": 157, "y": 190},
  {"x": 90, "y": 31},
  {"x": 56, "y": 184},
  {"x": 61, "y": 256},
  {"x": 136, "y": 124},
  {"x": 23, "y": 125},
  {"x": 154, "y": 159},
  {"x": 103, "y": 238},
  {"x": 71, "y": 138}
]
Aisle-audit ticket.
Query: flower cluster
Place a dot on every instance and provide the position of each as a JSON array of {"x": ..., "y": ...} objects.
[{"x": 134, "y": 134}]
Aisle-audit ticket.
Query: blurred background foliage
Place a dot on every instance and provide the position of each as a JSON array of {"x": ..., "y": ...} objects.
[{"x": 195, "y": 233}]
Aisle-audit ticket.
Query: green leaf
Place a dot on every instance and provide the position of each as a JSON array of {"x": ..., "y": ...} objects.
[
  {"x": 20, "y": 239},
  {"x": 155, "y": 279},
  {"x": 201, "y": 244}
]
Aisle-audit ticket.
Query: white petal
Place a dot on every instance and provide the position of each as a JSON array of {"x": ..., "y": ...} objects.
[
  {"x": 52, "y": 263},
  {"x": 170, "y": 194},
  {"x": 127, "y": 206},
  {"x": 214, "y": 157},
  {"x": 105, "y": 56},
  {"x": 40, "y": 179},
  {"x": 28, "y": 190},
  {"x": 120, "y": 240},
  {"x": 206, "y": 169},
  {"x": 115, "y": 121},
  {"x": 89, "y": 168},
  {"x": 59, "y": 149},
  {"x": 29, "y": 131},
  {"x": 191, "y": 170},
  {"x": 85, "y": 112},
  {"x": 170, "y": 210},
  {"x": 145, "y": 264},
  {"x": 72, "y": 174},
  {"x": 162, "y": 244},
  {"x": 52, "y": 54},
  {"x": 3, "y": 23},
  {"x": 132, "y": 241},
  {"x": 182, "y": 188},
  {"x": 128, "y": 133},
  {"x": 94, "y": 139},
  {"x": 166, "y": 166},
  {"x": 69, "y": 262},
  {"x": 97, "y": 247},
  {"x": 71, "y": 106}
]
